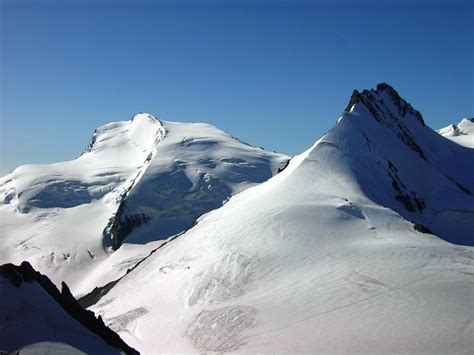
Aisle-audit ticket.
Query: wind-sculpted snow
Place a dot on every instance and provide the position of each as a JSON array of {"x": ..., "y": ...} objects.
[
  {"x": 332, "y": 255},
  {"x": 121, "y": 322},
  {"x": 224, "y": 281},
  {"x": 220, "y": 330},
  {"x": 138, "y": 182}
]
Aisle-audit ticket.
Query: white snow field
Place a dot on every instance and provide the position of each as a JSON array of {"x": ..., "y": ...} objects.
[
  {"x": 322, "y": 258},
  {"x": 461, "y": 133},
  {"x": 138, "y": 183}
]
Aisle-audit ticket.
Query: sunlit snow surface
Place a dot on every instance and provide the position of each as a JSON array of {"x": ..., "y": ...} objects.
[
  {"x": 322, "y": 258},
  {"x": 461, "y": 133},
  {"x": 55, "y": 215},
  {"x": 316, "y": 259}
]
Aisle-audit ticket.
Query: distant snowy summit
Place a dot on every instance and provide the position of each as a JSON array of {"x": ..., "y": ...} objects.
[
  {"x": 461, "y": 133},
  {"x": 138, "y": 182}
]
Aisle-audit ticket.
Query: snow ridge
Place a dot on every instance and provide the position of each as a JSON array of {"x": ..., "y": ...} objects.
[{"x": 113, "y": 231}]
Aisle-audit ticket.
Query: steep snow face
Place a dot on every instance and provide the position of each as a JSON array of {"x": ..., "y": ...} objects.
[
  {"x": 462, "y": 133},
  {"x": 129, "y": 184},
  {"x": 33, "y": 321},
  {"x": 400, "y": 163},
  {"x": 197, "y": 168},
  {"x": 316, "y": 259}
]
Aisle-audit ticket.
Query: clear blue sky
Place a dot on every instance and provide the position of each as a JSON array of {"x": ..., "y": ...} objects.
[{"x": 275, "y": 74}]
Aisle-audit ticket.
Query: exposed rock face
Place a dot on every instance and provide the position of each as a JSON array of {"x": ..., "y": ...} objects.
[
  {"x": 404, "y": 107},
  {"x": 391, "y": 113},
  {"x": 121, "y": 225},
  {"x": 355, "y": 98},
  {"x": 384, "y": 120},
  {"x": 367, "y": 97},
  {"x": 24, "y": 273}
]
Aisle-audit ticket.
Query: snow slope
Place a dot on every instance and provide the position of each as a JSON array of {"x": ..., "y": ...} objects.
[
  {"x": 36, "y": 318},
  {"x": 461, "y": 133},
  {"x": 320, "y": 258},
  {"x": 86, "y": 221}
]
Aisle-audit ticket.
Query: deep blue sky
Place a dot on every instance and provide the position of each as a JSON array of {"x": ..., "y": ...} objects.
[{"x": 275, "y": 74}]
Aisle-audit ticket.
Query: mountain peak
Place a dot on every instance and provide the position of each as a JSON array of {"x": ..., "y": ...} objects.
[
  {"x": 466, "y": 123},
  {"x": 461, "y": 133},
  {"x": 382, "y": 102},
  {"x": 386, "y": 87},
  {"x": 142, "y": 131},
  {"x": 144, "y": 116}
]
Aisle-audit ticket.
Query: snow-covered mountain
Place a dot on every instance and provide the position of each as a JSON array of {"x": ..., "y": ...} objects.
[
  {"x": 342, "y": 252},
  {"x": 139, "y": 182},
  {"x": 461, "y": 133},
  {"x": 36, "y": 318}
]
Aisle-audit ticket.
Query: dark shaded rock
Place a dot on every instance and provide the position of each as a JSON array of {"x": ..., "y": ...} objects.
[
  {"x": 96, "y": 294},
  {"x": 368, "y": 141},
  {"x": 91, "y": 144},
  {"x": 123, "y": 224},
  {"x": 395, "y": 185},
  {"x": 421, "y": 228},
  {"x": 284, "y": 166},
  {"x": 410, "y": 200},
  {"x": 355, "y": 98},
  {"x": 391, "y": 166},
  {"x": 385, "y": 115},
  {"x": 25, "y": 273},
  {"x": 462, "y": 188},
  {"x": 406, "y": 201},
  {"x": 401, "y": 104},
  {"x": 410, "y": 142}
]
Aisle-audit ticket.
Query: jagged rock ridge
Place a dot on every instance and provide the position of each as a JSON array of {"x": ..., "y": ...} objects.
[
  {"x": 416, "y": 185},
  {"x": 33, "y": 306}
]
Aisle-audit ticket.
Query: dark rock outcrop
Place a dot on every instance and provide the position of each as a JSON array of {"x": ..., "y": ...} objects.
[
  {"x": 422, "y": 229},
  {"x": 25, "y": 273},
  {"x": 387, "y": 116}
]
